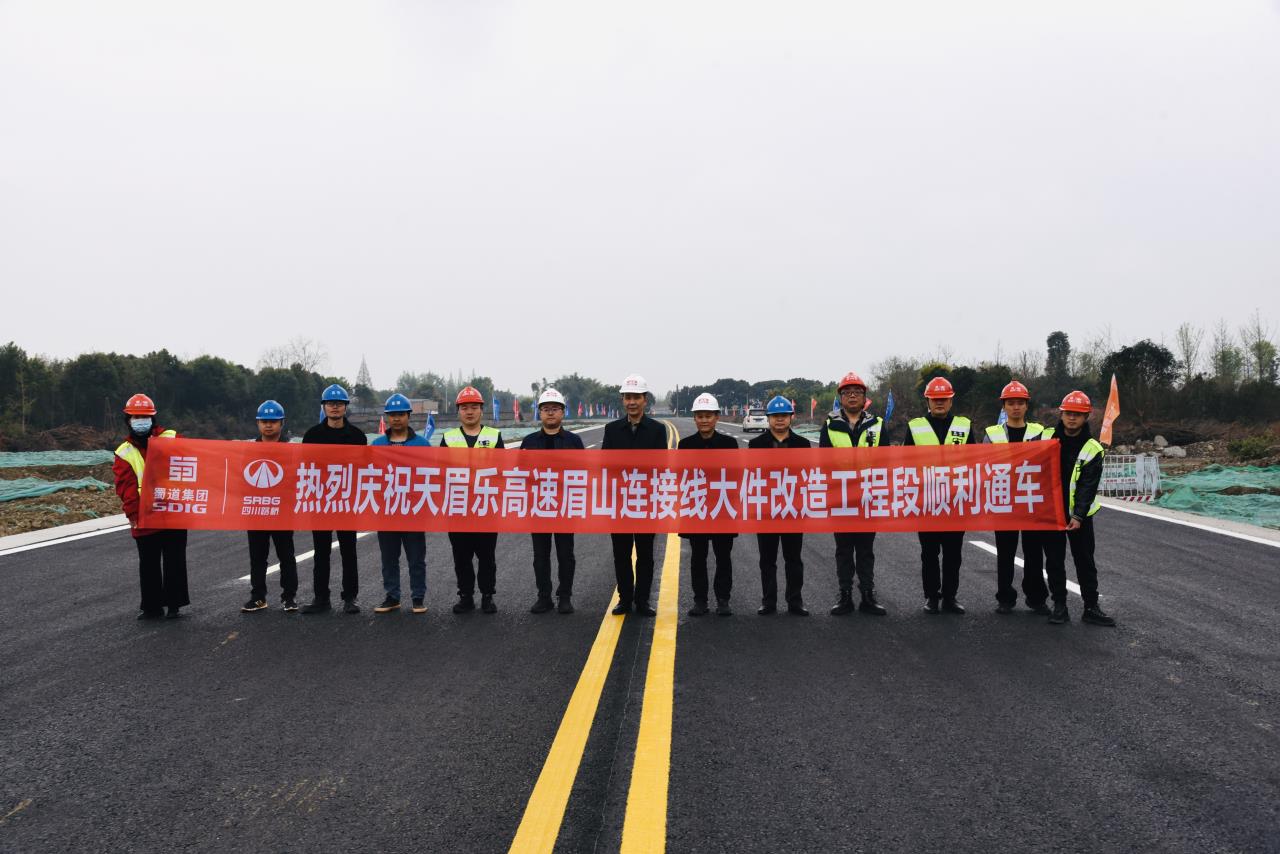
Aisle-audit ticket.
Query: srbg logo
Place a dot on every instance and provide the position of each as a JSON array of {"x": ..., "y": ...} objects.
[{"x": 263, "y": 474}]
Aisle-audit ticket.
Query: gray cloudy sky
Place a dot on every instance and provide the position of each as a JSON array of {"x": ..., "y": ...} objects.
[{"x": 688, "y": 189}]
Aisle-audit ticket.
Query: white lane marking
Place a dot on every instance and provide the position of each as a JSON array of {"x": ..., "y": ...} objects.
[
  {"x": 275, "y": 567},
  {"x": 61, "y": 540},
  {"x": 592, "y": 445},
  {"x": 987, "y": 547},
  {"x": 1197, "y": 525}
]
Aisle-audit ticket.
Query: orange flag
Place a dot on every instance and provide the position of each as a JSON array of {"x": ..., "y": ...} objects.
[
  {"x": 1111, "y": 413},
  {"x": 382, "y": 425}
]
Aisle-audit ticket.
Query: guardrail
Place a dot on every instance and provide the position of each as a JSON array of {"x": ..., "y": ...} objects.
[{"x": 1131, "y": 477}]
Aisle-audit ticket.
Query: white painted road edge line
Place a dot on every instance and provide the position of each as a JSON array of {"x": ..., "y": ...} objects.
[
  {"x": 1199, "y": 526},
  {"x": 65, "y": 539},
  {"x": 987, "y": 547},
  {"x": 275, "y": 567}
]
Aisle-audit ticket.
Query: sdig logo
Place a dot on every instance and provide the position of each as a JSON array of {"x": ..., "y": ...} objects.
[{"x": 263, "y": 474}]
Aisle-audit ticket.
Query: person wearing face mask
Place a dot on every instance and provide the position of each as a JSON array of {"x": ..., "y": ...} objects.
[
  {"x": 706, "y": 414},
  {"x": 162, "y": 553}
]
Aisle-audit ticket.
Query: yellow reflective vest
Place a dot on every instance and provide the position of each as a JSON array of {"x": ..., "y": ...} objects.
[
  {"x": 868, "y": 438},
  {"x": 922, "y": 431},
  {"x": 998, "y": 433},
  {"x": 488, "y": 438},
  {"x": 131, "y": 455}
]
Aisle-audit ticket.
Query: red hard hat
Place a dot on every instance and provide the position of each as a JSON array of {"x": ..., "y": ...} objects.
[
  {"x": 469, "y": 395},
  {"x": 1076, "y": 401},
  {"x": 849, "y": 379},
  {"x": 1015, "y": 391},
  {"x": 140, "y": 404},
  {"x": 939, "y": 387}
]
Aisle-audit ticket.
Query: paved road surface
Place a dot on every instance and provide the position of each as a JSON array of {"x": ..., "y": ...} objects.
[{"x": 278, "y": 732}]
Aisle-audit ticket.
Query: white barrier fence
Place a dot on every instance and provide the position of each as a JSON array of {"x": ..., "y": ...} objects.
[{"x": 1131, "y": 477}]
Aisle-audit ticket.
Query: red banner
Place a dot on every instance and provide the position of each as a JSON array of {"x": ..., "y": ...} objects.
[{"x": 197, "y": 483}]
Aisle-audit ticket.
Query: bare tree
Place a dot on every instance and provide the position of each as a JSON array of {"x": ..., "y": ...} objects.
[
  {"x": 1225, "y": 357},
  {"x": 1027, "y": 364},
  {"x": 311, "y": 355},
  {"x": 1259, "y": 349},
  {"x": 1188, "y": 339}
]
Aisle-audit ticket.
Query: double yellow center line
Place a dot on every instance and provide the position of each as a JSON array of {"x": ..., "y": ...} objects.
[{"x": 644, "y": 828}]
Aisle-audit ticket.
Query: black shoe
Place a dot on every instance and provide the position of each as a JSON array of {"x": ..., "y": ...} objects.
[
  {"x": 1095, "y": 616},
  {"x": 565, "y": 606},
  {"x": 699, "y": 608},
  {"x": 317, "y": 607},
  {"x": 1040, "y": 609},
  {"x": 419, "y": 606},
  {"x": 767, "y": 608},
  {"x": 288, "y": 604},
  {"x": 869, "y": 605},
  {"x": 621, "y": 608},
  {"x": 464, "y": 604},
  {"x": 844, "y": 606},
  {"x": 542, "y": 606},
  {"x": 951, "y": 606},
  {"x": 931, "y": 605},
  {"x": 388, "y": 605},
  {"x": 1004, "y": 608},
  {"x": 253, "y": 605},
  {"x": 349, "y": 606},
  {"x": 487, "y": 606},
  {"x": 1059, "y": 615},
  {"x": 797, "y": 609},
  {"x": 172, "y": 613},
  {"x": 723, "y": 609},
  {"x": 643, "y": 610},
  {"x": 151, "y": 615}
]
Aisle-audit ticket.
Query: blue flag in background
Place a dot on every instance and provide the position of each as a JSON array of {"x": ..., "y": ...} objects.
[
  {"x": 322, "y": 412},
  {"x": 1003, "y": 417},
  {"x": 888, "y": 406},
  {"x": 495, "y": 409},
  {"x": 430, "y": 429}
]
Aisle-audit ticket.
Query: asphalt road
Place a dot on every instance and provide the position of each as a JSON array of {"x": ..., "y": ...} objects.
[{"x": 278, "y": 732}]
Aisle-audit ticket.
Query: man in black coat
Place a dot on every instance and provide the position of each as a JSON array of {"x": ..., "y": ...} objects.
[
  {"x": 780, "y": 435},
  {"x": 706, "y": 414},
  {"x": 634, "y": 431},
  {"x": 552, "y": 437}
]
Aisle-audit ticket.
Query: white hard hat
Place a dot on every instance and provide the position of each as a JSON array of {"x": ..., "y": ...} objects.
[
  {"x": 550, "y": 395},
  {"x": 634, "y": 384},
  {"x": 706, "y": 403}
]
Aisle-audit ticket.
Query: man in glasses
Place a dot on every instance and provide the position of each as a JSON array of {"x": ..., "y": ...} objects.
[{"x": 854, "y": 427}]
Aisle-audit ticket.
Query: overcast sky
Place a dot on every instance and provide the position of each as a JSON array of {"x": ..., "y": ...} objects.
[{"x": 689, "y": 190}]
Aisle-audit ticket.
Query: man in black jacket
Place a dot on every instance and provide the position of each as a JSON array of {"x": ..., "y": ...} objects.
[
  {"x": 706, "y": 414},
  {"x": 634, "y": 431},
  {"x": 271, "y": 429},
  {"x": 780, "y": 412},
  {"x": 335, "y": 429},
  {"x": 1081, "y": 458},
  {"x": 552, "y": 437}
]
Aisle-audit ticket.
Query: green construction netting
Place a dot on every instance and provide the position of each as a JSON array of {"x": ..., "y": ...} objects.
[
  {"x": 25, "y": 459},
  {"x": 34, "y": 487},
  {"x": 1239, "y": 493}
]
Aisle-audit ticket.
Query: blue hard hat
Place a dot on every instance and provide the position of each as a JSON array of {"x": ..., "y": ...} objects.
[
  {"x": 269, "y": 410},
  {"x": 397, "y": 403},
  {"x": 779, "y": 405},
  {"x": 335, "y": 392}
]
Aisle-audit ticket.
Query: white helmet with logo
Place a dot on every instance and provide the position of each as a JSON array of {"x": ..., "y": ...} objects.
[
  {"x": 634, "y": 384},
  {"x": 705, "y": 403},
  {"x": 550, "y": 395}
]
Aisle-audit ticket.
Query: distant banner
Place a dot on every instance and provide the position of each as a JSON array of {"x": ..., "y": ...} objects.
[{"x": 196, "y": 483}]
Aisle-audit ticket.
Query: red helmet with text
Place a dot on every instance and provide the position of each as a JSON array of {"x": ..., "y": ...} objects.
[
  {"x": 140, "y": 404},
  {"x": 470, "y": 394},
  {"x": 1076, "y": 401},
  {"x": 939, "y": 387},
  {"x": 1015, "y": 391}
]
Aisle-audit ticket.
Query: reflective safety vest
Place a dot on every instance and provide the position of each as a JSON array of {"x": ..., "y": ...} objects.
[
  {"x": 998, "y": 433},
  {"x": 922, "y": 431},
  {"x": 1092, "y": 450},
  {"x": 131, "y": 455},
  {"x": 868, "y": 438},
  {"x": 488, "y": 438}
]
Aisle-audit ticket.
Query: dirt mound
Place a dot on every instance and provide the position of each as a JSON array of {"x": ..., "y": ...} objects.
[{"x": 66, "y": 438}]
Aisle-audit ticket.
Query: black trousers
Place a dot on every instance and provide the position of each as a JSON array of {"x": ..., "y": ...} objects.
[
  {"x": 855, "y": 553},
  {"x": 321, "y": 541},
  {"x": 945, "y": 582},
  {"x": 794, "y": 566},
  {"x": 698, "y": 547},
  {"x": 1055, "y": 558},
  {"x": 635, "y": 590},
  {"x": 1033, "y": 587},
  {"x": 259, "y": 547},
  {"x": 162, "y": 570},
  {"x": 565, "y": 563},
  {"x": 484, "y": 548}
]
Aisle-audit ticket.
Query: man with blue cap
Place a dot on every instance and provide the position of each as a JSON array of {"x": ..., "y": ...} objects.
[
  {"x": 780, "y": 411},
  {"x": 414, "y": 543},
  {"x": 271, "y": 429}
]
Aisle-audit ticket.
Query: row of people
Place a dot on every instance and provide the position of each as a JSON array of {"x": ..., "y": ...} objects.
[{"x": 162, "y": 568}]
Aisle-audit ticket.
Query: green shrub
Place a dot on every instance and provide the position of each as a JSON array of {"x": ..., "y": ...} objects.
[{"x": 1251, "y": 448}]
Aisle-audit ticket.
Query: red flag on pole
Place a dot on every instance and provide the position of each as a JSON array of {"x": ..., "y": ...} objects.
[
  {"x": 382, "y": 424},
  {"x": 1111, "y": 413},
  {"x": 813, "y": 405}
]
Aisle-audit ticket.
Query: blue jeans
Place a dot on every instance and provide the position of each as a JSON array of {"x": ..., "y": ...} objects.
[{"x": 415, "y": 554}]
